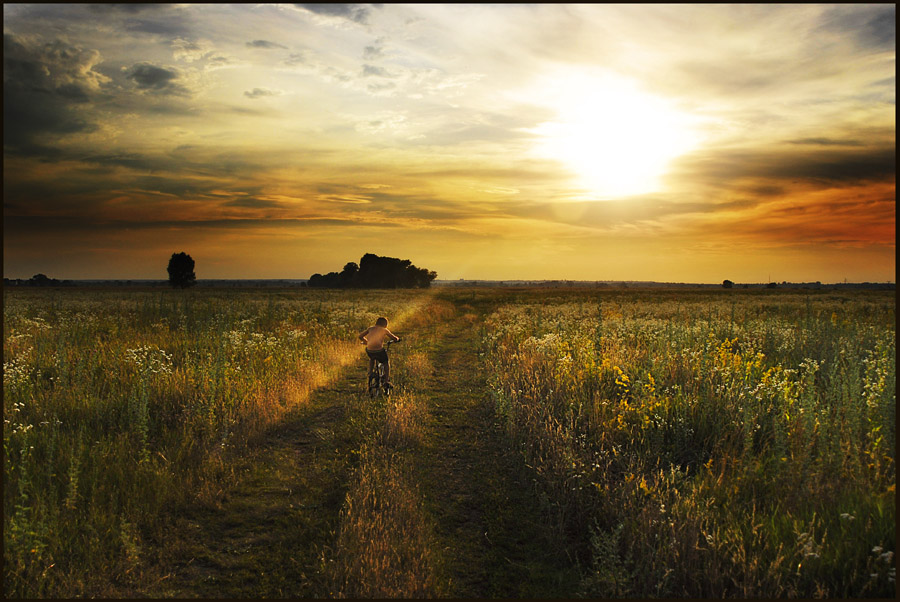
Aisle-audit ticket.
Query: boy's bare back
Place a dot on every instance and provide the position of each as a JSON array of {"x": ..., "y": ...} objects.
[{"x": 374, "y": 337}]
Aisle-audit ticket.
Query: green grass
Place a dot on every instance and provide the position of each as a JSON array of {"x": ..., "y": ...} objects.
[
  {"x": 708, "y": 444},
  {"x": 544, "y": 443},
  {"x": 121, "y": 404}
]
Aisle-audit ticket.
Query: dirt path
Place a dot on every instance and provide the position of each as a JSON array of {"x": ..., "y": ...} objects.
[
  {"x": 266, "y": 538},
  {"x": 493, "y": 533}
]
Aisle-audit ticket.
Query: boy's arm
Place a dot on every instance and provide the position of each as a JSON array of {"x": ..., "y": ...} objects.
[
  {"x": 362, "y": 335},
  {"x": 392, "y": 335}
]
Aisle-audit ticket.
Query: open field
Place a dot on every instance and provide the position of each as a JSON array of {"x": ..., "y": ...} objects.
[{"x": 541, "y": 443}]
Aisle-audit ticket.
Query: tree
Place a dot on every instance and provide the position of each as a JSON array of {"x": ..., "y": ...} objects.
[
  {"x": 348, "y": 274},
  {"x": 727, "y": 284},
  {"x": 181, "y": 271},
  {"x": 375, "y": 271}
]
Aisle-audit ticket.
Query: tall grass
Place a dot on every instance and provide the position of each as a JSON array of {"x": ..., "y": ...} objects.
[
  {"x": 119, "y": 405},
  {"x": 385, "y": 545},
  {"x": 708, "y": 444}
]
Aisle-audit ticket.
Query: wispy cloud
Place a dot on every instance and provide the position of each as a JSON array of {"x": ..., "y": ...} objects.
[
  {"x": 346, "y": 120},
  {"x": 265, "y": 44}
]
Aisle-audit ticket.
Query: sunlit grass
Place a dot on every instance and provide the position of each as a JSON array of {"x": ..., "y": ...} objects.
[
  {"x": 120, "y": 405},
  {"x": 709, "y": 444},
  {"x": 385, "y": 545},
  {"x": 718, "y": 443}
]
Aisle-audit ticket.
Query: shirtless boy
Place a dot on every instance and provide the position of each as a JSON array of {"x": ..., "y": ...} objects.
[{"x": 374, "y": 337}]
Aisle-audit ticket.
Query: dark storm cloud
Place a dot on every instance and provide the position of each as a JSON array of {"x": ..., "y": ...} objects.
[
  {"x": 43, "y": 86},
  {"x": 358, "y": 13},
  {"x": 264, "y": 44},
  {"x": 155, "y": 79}
]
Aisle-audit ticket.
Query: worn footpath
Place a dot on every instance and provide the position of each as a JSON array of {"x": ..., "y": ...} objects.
[{"x": 267, "y": 536}]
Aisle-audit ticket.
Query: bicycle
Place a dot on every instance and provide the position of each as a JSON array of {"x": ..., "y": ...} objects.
[{"x": 377, "y": 385}]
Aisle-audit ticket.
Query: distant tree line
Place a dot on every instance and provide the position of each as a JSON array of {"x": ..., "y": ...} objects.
[
  {"x": 37, "y": 280},
  {"x": 375, "y": 271}
]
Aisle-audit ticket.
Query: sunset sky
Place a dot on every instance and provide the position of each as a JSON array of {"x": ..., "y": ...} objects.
[{"x": 682, "y": 143}]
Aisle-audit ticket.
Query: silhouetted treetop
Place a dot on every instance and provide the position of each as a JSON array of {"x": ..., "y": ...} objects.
[
  {"x": 375, "y": 271},
  {"x": 181, "y": 270}
]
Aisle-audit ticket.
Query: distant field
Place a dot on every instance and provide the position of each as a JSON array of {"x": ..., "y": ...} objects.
[{"x": 700, "y": 443}]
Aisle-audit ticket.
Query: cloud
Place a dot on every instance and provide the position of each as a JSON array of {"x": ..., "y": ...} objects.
[
  {"x": 261, "y": 92},
  {"x": 374, "y": 71},
  {"x": 127, "y": 8},
  {"x": 118, "y": 114},
  {"x": 358, "y": 13},
  {"x": 169, "y": 23},
  {"x": 825, "y": 142},
  {"x": 264, "y": 44},
  {"x": 253, "y": 203},
  {"x": 190, "y": 51},
  {"x": 51, "y": 65},
  {"x": 371, "y": 53},
  {"x": 859, "y": 216},
  {"x": 828, "y": 166},
  {"x": 872, "y": 27},
  {"x": 152, "y": 78},
  {"x": 44, "y": 86}
]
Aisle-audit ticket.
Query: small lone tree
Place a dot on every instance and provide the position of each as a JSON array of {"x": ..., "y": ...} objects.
[
  {"x": 727, "y": 284},
  {"x": 181, "y": 270}
]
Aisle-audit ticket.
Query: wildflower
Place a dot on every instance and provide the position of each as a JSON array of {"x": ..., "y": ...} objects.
[
  {"x": 877, "y": 550},
  {"x": 847, "y": 517},
  {"x": 150, "y": 359}
]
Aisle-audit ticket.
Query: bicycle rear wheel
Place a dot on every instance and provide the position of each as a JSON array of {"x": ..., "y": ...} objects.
[{"x": 374, "y": 384}]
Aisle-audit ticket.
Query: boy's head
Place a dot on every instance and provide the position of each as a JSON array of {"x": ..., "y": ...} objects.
[{"x": 381, "y": 322}]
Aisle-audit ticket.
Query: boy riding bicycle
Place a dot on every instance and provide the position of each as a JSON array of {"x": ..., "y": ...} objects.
[{"x": 374, "y": 337}]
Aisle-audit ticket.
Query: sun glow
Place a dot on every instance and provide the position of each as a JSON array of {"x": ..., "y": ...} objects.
[{"x": 617, "y": 139}]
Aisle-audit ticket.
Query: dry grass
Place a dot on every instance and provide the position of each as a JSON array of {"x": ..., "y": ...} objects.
[
  {"x": 383, "y": 548},
  {"x": 404, "y": 420}
]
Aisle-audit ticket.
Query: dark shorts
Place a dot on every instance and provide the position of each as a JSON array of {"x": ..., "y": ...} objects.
[{"x": 380, "y": 355}]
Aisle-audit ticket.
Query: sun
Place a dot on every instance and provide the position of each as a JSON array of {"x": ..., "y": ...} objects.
[{"x": 615, "y": 138}]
